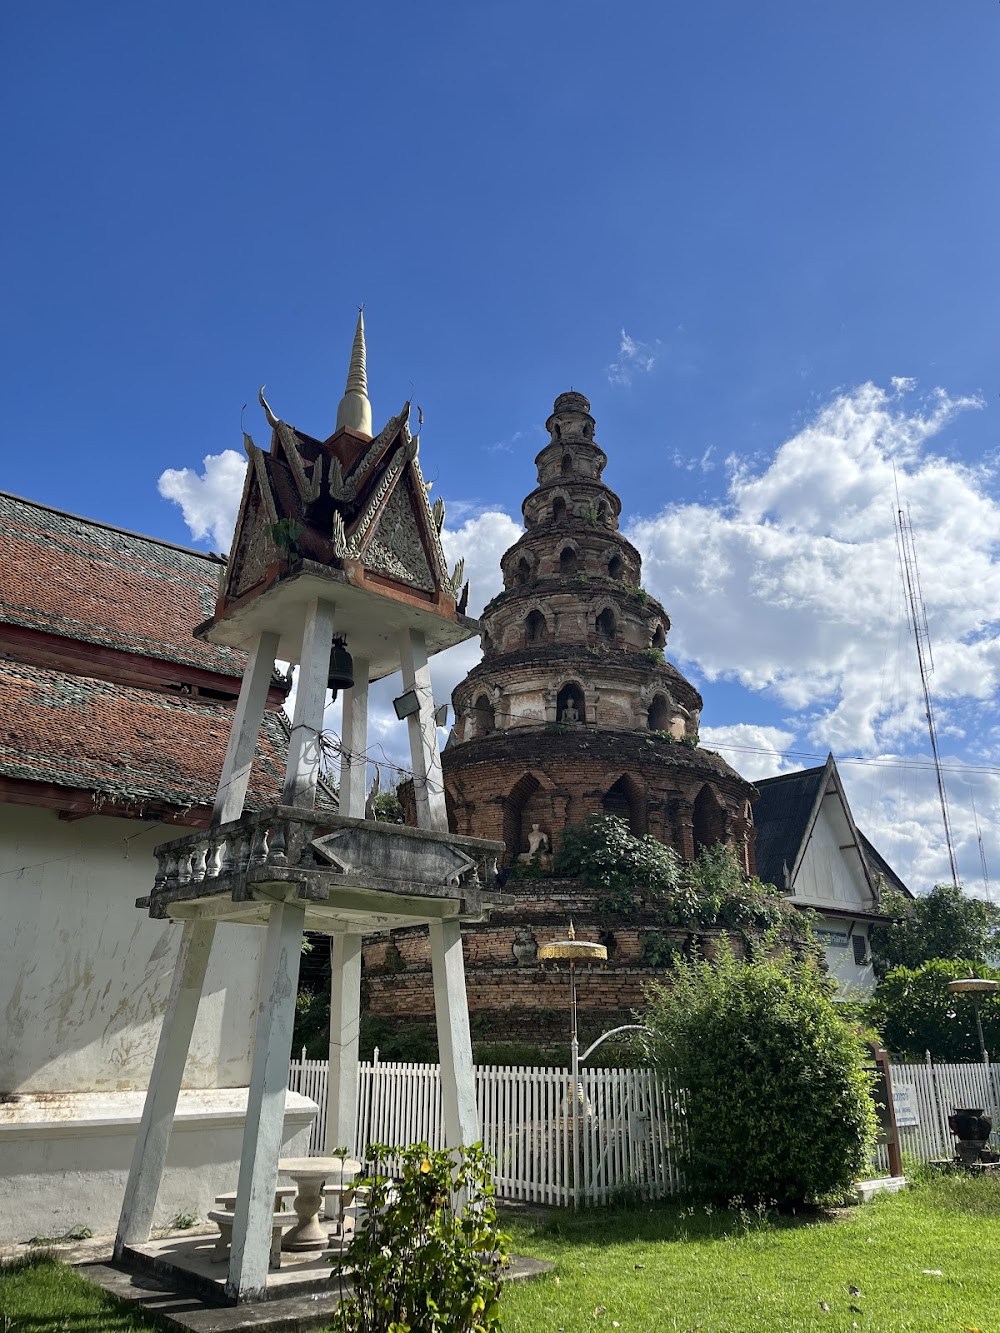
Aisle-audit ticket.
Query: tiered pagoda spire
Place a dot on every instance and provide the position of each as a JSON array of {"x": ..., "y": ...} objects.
[{"x": 574, "y": 708}]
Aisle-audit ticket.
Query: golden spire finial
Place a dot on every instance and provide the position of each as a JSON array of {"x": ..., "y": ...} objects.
[{"x": 355, "y": 410}]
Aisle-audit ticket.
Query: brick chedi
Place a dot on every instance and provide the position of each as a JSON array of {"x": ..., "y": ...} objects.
[{"x": 573, "y": 710}]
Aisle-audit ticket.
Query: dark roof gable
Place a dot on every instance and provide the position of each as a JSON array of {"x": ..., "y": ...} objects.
[{"x": 781, "y": 818}]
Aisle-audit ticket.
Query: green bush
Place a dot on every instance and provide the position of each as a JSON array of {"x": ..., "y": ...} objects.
[
  {"x": 423, "y": 1264},
  {"x": 711, "y": 892},
  {"x": 777, "y": 1103},
  {"x": 915, "y": 1012},
  {"x": 604, "y": 852},
  {"x": 944, "y": 923}
]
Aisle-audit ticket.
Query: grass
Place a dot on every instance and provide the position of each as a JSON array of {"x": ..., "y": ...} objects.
[
  {"x": 38, "y": 1294},
  {"x": 924, "y": 1259}
]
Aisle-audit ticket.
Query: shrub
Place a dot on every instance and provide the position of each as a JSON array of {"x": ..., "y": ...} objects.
[
  {"x": 777, "y": 1103},
  {"x": 422, "y": 1264},
  {"x": 944, "y": 923},
  {"x": 604, "y": 852},
  {"x": 915, "y": 1012},
  {"x": 709, "y": 892}
]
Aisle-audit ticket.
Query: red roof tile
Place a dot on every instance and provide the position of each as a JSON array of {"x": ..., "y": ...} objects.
[
  {"x": 85, "y": 580},
  {"x": 127, "y": 745}
]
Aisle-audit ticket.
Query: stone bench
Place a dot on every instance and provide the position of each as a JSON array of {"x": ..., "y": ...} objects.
[
  {"x": 281, "y": 1194},
  {"x": 224, "y": 1218}
]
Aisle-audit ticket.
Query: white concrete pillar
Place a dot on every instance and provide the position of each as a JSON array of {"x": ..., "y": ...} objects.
[
  {"x": 345, "y": 1022},
  {"x": 425, "y": 757},
  {"x": 150, "y": 1153},
  {"x": 451, "y": 1010},
  {"x": 251, "y": 1243},
  {"x": 246, "y": 728},
  {"x": 354, "y": 734},
  {"x": 302, "y": 773}
]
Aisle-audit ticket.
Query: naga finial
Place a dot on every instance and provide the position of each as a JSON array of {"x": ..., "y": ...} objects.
[{"x": 272, "y": 420}]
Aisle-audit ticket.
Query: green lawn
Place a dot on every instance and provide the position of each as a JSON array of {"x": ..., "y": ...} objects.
[
  {"x": 671, "y": 1267},
  {"x": 40, "y": 1295},
  {"x": 682, "y": 1268}
]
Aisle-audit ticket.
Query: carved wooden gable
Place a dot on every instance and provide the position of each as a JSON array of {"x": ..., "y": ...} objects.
[
  {"x": 395, "y": 547},
  {"x": 253, "y": 548}
]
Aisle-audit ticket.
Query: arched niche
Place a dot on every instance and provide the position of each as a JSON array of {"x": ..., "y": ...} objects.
[
  {"x": 558, "y": 510},
  {"x": 606, "y": 624},
  {"x": 535, "y": 628},
  {"x": 484, "y": 719},
  {"x": 709, "y": 819},
  {"x": 525, "y": 804},
  {"x": 570, "y": 700},
  {"x": 624, "y": 798},
  {"x": 659, "y": 713},
  {"x": 522, "y": 571},
  {"x": 602, "y": 511},
  {"x": 568, "y": 561},
  {"x": 616, "y": 567},
  {"x": 566, "y": 466},
  {"x": 659, "y": 639}
]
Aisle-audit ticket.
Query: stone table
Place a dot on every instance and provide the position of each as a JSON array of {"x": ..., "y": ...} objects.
[{"x": 310, "y": 1175}]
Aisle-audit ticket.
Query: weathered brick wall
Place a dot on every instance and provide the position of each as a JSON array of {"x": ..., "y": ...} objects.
[{"x": 510, "y": 996}]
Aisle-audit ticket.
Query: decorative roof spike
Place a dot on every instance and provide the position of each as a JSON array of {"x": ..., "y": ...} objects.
[{"x": 355, "y": 411}]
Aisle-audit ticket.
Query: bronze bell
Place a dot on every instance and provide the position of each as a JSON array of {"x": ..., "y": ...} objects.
[{"x": 341, "y": 673}]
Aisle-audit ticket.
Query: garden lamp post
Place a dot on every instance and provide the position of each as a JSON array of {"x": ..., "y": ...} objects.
[
  {"x": 975, "y": 988},
  {"x": 574, "y": 951}
]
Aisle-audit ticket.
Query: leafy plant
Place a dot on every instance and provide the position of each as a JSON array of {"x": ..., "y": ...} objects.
[
  {"x": 659, "y": 950},
  {"x": 424, "y": 1263},
  {"x": 777, "y": 1104},
  {"x": 77, "y": 1232},
  {"x": 605, "y": 853},
  {"x": 388, "y": 808},
  {"x": 915, "y": 1012},
  {"x": 945, "y": 923},
  {"x": 711, "y": 892},
  {"x": 284, "y": 533},
  {"x": 654, "y": 656},
  {"x": 184, "y": 1221}
]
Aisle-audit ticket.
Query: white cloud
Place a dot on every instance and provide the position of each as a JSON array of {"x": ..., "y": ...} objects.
[
  {"x": 507, "y": 446},
  {"x": 791, "y": 586},
  {"x": 634, "y": 357},
  {"x": 210, "y": 499},
  {"x": 754, "y": 751}
]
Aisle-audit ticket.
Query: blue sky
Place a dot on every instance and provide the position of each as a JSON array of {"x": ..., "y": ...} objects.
[{"x": 762, "y": 239}]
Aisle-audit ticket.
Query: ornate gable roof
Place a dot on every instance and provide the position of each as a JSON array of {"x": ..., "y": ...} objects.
[{"x": 349, "y": 502}]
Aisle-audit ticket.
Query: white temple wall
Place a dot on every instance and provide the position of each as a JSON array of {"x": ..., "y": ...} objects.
[
  {"x": 84, "y": 974},
  {"x": 84, "y": 977}
]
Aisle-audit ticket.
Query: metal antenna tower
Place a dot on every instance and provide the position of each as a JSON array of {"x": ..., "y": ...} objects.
[
  {"x": 925, "y": 658},
  {"x": 982, "y": 849}
]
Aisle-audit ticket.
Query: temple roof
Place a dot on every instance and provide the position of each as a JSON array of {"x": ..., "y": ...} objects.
[
  {"x": 784, "y": 814},
  {"x": 91, "y": 582},
  {"x": 134, "y": 749},
  {"x": 342, "y": 518}
]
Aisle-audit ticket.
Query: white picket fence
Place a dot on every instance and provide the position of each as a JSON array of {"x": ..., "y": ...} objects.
[
  {"x": 629, "y": 1121},
  {"x": 628, "y": 1125},
  {"x": 937, "y": 1091}
]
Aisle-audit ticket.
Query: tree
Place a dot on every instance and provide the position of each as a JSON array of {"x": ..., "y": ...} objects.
[
  {"x": 945, "y": 923},
  {"x": 915, "y": 1012},
  {"x": 777, "y": 1097}
]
